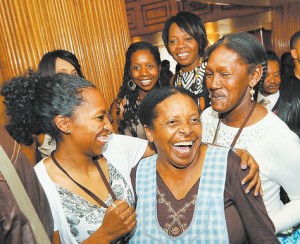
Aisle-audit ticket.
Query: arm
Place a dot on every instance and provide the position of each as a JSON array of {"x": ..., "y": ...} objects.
[
  {"x": 150, "y": 150},
  {"x": 284, "y": 170},
  {"x": 251, "y": 210}
]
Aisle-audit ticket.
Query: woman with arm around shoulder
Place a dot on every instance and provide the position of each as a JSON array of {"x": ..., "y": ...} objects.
[
  {"x": 236, "y": 63},
  {"x": 181, "y": 197},
  {"x": 88, "y": 187}
]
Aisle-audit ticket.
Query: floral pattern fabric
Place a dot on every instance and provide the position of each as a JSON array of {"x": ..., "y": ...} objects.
[{"x": 85, "y": 218}]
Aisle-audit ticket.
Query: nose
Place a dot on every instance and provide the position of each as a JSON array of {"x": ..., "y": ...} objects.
[
  {"x": 181, "y": 43},
  {"x": 107, "y": 124},
  {"x": 144, "y": 71},
  {"x": 185, "y": 129},
  {"x": 213, "y": 82}
]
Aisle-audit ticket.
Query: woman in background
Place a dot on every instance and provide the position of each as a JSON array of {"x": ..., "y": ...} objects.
[
  {"x": 141, "y": 75},
  {"x": 185, "y": 38}
]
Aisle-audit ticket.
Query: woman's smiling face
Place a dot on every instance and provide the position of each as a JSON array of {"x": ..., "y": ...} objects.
[
  {"x": 176, "y": 130},
  {"x": 183, "y": 48},
  {"x": 144, "y": 70}
]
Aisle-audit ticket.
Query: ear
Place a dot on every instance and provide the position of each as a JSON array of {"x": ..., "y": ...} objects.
[
  {"x": 294, "y": 53},
  {"x": 256, "y": 75},
  {"x": 63, "y": 123},
  {"x": 148, "y": 133}
]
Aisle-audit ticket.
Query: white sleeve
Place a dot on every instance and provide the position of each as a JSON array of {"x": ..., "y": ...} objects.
[
  {"x": 125, "y": 149},
  {"x": 284, "y": 170}
]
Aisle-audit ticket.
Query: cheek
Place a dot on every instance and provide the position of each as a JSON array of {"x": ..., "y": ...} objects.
[
  {"x": 134, "y": 74},
  {"x": 172, "y": 49}
]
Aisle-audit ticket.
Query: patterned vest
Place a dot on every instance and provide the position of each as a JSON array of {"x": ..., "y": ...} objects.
[{"x": 208, "y": 224}]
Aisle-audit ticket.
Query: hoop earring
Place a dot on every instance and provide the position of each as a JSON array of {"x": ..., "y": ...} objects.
[
  {"x": 131, "y": 85},
  {"x": 252, "y": 91}
]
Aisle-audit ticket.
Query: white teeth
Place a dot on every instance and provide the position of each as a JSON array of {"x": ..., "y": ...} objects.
[
  {"x": 183, "y": 143},
  {"x": 102, "y": 139},
  {"x": 182, "y": 54},
  {"x": 145, "y": 81}
]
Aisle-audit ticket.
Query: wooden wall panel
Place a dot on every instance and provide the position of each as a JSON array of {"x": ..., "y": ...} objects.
[
  {"x": 148, "y": 16},
  {"x": 286, "y": 21},
  {"x": 95, "y": 31}
]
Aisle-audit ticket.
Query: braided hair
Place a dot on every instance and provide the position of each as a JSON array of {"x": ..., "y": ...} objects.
[{"x": 130, "y": 114}]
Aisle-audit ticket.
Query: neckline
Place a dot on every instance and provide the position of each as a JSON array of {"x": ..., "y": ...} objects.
[
  {"x": 87, "y": 191},
  {"x": 240, "y": 129}
]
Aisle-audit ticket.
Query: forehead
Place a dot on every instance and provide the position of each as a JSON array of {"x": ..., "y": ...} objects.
[
  {"x": 177, "y": 104},
  {"x": 224, "y": 55},
  {"x": 61, "y": 63},
  {"x": 142, "y": 56},
  {"x": 297, "y": 43},
  {"x": 93, "y": 99},
  {"x": 273, "y": 64},
  {"x": 175, "y": 28}
]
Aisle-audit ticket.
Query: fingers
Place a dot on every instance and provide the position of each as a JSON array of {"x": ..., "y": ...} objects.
[
  {"x": 258, "y": 188},
  {"x": 128, "y": 217},
  {"x": 254, "y": 169},
  {"x": 252, "y": 184},
  {"x": 122, "y": 211},
  {"x": 118, "y": 206}
]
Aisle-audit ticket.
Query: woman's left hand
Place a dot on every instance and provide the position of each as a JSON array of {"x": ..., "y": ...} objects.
[{"x": 253, "y": 176}]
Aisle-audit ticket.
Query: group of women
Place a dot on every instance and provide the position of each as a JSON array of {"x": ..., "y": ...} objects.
[{"x": 191, "y": 189}]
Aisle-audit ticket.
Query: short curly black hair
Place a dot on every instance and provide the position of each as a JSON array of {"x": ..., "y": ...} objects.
[
  {"x": 147, "y": 110},
  {"x": 32, "y": 101}
]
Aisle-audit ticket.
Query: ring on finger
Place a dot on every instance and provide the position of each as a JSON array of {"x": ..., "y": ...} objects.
[
  {"x": 129, "y": 211},
  {"x": 114, "y": 205}
]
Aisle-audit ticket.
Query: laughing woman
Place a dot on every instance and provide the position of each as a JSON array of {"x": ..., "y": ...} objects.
[
  {"x": 190, "y": 192},
  {"x": 87, "y": 183}
]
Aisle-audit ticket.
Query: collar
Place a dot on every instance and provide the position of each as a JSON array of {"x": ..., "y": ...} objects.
[{"x": 272, "y": 98}]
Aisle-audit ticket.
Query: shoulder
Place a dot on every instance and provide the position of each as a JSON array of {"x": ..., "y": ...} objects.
[{"x": 209, "y": 114}]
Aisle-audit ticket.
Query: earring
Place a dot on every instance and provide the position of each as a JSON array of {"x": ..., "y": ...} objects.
[
  {"x": 252, "y": 93},
  {"x": 68, "y": 132},
  {"x": 131, "y": 85}
]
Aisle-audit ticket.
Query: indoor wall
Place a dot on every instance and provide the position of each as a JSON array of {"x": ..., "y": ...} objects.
[{"x": 95, "y": 31}]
